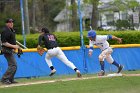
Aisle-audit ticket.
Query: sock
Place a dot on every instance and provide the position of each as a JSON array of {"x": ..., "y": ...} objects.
[
  {"x": 102, "y": 65},
  {"x": 116, "y": 64},
  {"x": 75, "y": 69},
  {"x": 51, "y": 67}
]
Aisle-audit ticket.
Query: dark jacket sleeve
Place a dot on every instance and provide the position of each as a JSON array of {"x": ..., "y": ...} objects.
[{"x": 4, "y": 36}]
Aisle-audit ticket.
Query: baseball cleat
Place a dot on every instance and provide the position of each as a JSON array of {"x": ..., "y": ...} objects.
[
  {"x": 102, "y": 73},
  {"x": 120, "y": 68},
  {"x": 52, "y": 72},
  {"x": 78, "y": 74},
  {"x": 6, "y": 82}
]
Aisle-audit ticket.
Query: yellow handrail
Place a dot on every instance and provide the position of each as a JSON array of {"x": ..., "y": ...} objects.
[
  {"x": 78, "y": 47},
  {"x": 121, "y": 46}
]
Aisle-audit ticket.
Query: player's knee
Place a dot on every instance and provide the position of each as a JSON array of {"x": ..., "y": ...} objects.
[{"x": 100, "y": 58}]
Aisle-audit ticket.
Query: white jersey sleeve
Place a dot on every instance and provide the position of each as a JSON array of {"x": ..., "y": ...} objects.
[
  {"x": 91, "y": 45},
  {"x": 103, "y": 37}
]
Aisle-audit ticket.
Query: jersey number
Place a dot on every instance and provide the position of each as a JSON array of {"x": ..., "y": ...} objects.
[{"x": 51, "y": 38}]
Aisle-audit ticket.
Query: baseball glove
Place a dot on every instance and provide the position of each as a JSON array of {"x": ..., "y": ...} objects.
[{"x": 40, "y": 50}]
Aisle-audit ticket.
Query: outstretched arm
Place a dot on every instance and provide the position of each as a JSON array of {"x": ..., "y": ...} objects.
[
  {"x": 90, "y": 48},
  {"x": 40, "y": 49},
  {"x": 118, "y": 39}
]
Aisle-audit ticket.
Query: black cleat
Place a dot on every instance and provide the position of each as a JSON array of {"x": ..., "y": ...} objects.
[
  {"x": 120, "y": 68},
  {"x": 52, "y": 72},
  {"x": 6, "y": 82}
]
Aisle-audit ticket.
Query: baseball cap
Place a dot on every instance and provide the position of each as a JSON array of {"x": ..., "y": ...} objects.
[
  {"x": 91, "y": 33},
  {"x": 45, "y": 30},
  {"x": 9, "y": 20}
]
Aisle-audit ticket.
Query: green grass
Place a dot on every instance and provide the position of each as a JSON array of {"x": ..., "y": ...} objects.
[{"x": 98, "y": 85}]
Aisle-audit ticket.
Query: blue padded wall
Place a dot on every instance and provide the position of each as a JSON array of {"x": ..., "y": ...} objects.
[{"x": 31, "y": 64}]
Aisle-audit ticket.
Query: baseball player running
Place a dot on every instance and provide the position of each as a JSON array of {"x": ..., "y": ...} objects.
[
  {"x": 106, "y": 50},
  {"x": 50, "y": 42}
]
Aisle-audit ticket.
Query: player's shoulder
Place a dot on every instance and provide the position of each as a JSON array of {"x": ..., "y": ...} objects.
[
  {"x": 5, "y": 30},
  {"x": 101, "y": 36}
]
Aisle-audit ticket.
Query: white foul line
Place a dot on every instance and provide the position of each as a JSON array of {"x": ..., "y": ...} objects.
[{"x": 52, "y": 81}]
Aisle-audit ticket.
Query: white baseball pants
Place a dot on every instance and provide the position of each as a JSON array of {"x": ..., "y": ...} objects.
[
  {"x": 106, "y": 54},
  {"x": 57, "y": 52}
]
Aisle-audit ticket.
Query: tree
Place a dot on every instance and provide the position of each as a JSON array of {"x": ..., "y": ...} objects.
[
  {"x": 74, "y": 23},
  {"x": 125, "y": 5},
  {"x": 132, "y": 4},
  {"x": 94, "y": 17},
  {"x": 41, "y": 12},
  {"x": 2, "y": 7},
  {"x": 94, "y": 22},
  {"x": 122, "y": 5},
  {"x": 46, "y": 11},
  {"x": 11, "y": 9}
]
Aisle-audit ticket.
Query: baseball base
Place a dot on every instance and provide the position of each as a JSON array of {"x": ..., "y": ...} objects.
[{"x": 115, "y": 74}]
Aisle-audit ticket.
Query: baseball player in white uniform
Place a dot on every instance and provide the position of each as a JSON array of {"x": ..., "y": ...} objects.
[
  {"x": 50, "y": 42},
  {"x": 106, "y": 50}
]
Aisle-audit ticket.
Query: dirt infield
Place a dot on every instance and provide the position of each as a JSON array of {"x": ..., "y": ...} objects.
[
  {"x": 131, "y": 74},
  {"x": 57, "y": 80}
]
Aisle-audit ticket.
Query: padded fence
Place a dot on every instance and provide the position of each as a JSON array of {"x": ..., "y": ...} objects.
[{"x": 31, "y": 64}]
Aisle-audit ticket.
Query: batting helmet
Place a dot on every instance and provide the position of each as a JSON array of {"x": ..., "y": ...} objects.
[{"x": 91, "y": 33}]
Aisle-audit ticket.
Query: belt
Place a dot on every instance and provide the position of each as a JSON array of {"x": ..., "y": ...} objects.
[{"x": 105, "y": 48}]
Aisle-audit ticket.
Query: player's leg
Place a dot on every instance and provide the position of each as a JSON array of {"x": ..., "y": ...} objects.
[
  {"x": 8, "y": 77},
  {"x": 49, "y": 62},
  {"x": 64, "y": 59},
  {"x": 101, "y": 59},
  {"x": 112, "y": 61}
]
